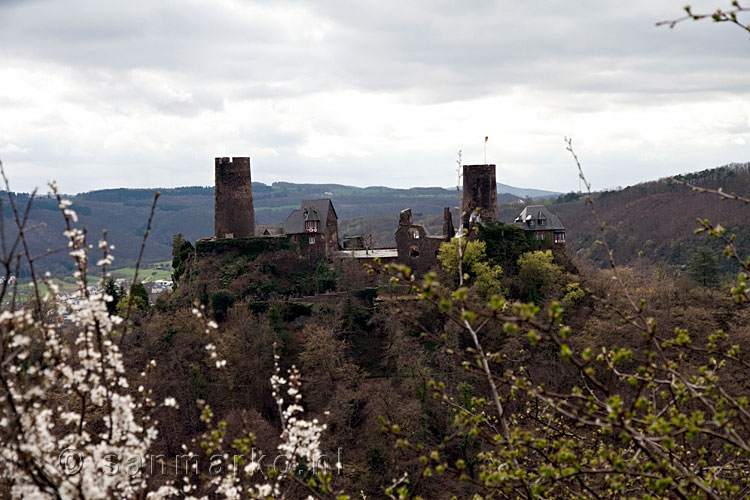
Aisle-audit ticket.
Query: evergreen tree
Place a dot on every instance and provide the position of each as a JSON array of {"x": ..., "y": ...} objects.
[
  {"x": 704, "y": 267},
  {"x": 505, "y": 243},
  {"x": 181, "y": 252},
  {"x": 115, "y": 291},
  {"x": 140, "y": 294},
  {"x": 140, "y": 300}
]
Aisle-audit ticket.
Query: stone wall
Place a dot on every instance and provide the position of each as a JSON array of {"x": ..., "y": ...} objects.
[
  {"x": 234, "y": 215},
  {"x": 480, "y": 191},
  {"x": 313, "y": 251},
  {"x": 247, "y": 247},
  {"x": 416, "y": 248}
]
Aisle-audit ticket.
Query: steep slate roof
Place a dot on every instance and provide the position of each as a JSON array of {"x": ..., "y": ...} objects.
[
  {"x": 310, "y": 214},
  {"x": 273, "y": 229},
  {"x": 321, "y": 206},
  {"x": 295, "y": 223},
  {"x": 536, "y": 213}
]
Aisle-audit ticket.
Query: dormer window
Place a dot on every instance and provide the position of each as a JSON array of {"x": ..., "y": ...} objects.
[
  {"x": 541, "y": 219},
  {"x": 311, "y": 220}
]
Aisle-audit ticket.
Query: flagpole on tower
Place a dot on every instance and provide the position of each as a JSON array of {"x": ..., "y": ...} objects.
[{"x": 486, "y": 138}]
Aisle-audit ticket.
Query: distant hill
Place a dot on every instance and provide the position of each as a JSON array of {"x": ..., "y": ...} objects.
[
  {"x": 654, "y": 220},
  {"x": 537, "y": 194}
]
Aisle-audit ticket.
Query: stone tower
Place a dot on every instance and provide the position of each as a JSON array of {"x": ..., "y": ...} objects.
[
  {"x": 234, "y": 215},
  {"x": 480, "y": 191},
  {"x": 448, "y": 230}
]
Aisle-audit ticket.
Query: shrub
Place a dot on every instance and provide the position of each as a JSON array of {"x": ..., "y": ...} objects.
[{"x": 221, "y": 301}]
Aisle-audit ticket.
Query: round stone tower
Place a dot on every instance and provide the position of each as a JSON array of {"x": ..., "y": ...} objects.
[{"x": 234, "y": 215}]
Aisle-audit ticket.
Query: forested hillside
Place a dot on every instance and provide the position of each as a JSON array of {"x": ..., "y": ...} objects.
[
  {"x": 654, "y": 221},
  {"x": 368, "y": 359}
]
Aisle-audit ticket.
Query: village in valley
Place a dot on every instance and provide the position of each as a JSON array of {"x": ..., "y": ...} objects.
[{"x": 156, "y": 280}]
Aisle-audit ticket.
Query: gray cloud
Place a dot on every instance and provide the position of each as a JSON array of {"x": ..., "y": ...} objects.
[
  {"x": 144, "y": 86},
  {"x": 453, "y": 49}
]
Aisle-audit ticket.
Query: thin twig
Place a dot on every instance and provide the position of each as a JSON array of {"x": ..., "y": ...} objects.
[
  {"x": 719, "y": 192},
  {"x": 718, "y": 16}
]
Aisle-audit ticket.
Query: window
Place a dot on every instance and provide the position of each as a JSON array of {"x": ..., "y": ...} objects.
[
  {"x": 542, "y": 222},
  {"x": 311, "y": 240},
  {"x": 414, "y": 233},
  {"x": 559, "y": 237},
  {"x": 414, "y": 252},
  {"x": 540, "y": 236}
]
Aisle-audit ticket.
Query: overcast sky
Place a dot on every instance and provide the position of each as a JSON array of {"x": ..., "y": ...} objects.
[{"x": 145, "y": 93}]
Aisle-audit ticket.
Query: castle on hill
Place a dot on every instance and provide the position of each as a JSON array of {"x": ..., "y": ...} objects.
[{"x": 313, "y": 228}]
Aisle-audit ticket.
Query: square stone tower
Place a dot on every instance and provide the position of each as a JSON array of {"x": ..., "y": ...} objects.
[
  {"x": 234, "y": 215},
  {"x": 480, "y": 191}
]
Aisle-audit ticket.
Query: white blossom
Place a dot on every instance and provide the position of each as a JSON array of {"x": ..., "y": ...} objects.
[{"x": 47, "y": 437}]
